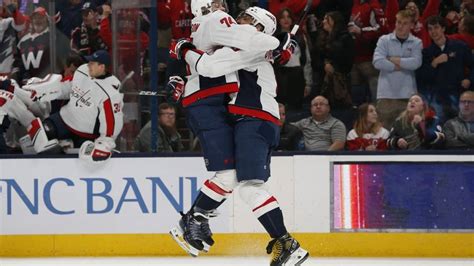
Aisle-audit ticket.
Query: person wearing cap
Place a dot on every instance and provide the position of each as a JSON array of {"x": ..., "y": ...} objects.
[
  {"x": 86, "y": 39},
  {"x": 33, "y": 58},
  {"x": 93, "y": 116}
]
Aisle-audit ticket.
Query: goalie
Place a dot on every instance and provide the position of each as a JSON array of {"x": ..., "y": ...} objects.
[{"x": 93, "y": 116}]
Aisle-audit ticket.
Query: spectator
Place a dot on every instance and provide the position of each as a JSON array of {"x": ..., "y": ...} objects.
[
  {"x": 465, "y": 31},
  {"x": 416, "y": 128},
  {"x": 442, "y": 75},
  {"x": 294, "y": 79},
  {"x": 69, "y": 15},
  {"x": 85, "y": 39},
  {"x": 321, "y": 131},
  {"x": 34, "y": 55},
  {"x": 177, "y": 14},
  {"x": 12, "y": 21},
  {"x": 368, "y": 133},
  {"x": 296, "y": 6},
  {"x": 342, "y": 6},
  {"x": 419, "y": 29},
  {"x": 169, "y": 139},
  {"x": 459, "y": 131},
  {"x": 132, "y": 43},
  {"x": 397, "y": 56},
  {"x": 336, "y": 55},
  {"x": 466, "y": 8},
  {"x": 365, "y": 30},
  {"x": 290, "y": 136}
]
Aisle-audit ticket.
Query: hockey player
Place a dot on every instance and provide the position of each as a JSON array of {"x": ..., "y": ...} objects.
[
  {"x": 93, "y": 113},
  {"x": 12, "y": 21},
  {"x": 205, "y": 106},
  {"x": 256, "y": 131}
]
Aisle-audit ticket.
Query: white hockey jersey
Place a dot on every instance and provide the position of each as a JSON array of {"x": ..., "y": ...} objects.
[
  {"x": 213, "y": 31},
  {"x": 95, "y": 105},
  {"x": 8, "y": 32},
  {"x": 257, "y": 83}
]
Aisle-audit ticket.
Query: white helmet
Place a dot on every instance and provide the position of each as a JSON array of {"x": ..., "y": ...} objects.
[
  {"x": 201, "y": 7},
  {"x": 263, "y": 17}
]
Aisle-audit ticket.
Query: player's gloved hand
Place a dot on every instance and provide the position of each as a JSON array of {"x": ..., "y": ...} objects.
[
  {"x": 98, "y": 151},
  {"x": 178, "y": 48},
  {"x": 6, "y": 85},
  {"x": 282, "y": 54},
  {"x": 175, "y": 88}
]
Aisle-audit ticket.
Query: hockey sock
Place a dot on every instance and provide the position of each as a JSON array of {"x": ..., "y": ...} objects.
[
  {"x": 206, "y": 203},
  {"x": 273, "y": 223}
]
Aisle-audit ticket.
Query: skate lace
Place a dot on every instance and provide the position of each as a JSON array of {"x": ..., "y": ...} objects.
[
  {"x": 276, "y": 247},
  {"x": 206, "y": 230},
  {"x": 193, "y": 227}
]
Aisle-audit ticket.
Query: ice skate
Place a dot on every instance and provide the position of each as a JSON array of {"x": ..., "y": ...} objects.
[
  {"x": 206, "y": 231},
  {"x": 193, "y": 232},
  {"x": 286, "y": 251}
]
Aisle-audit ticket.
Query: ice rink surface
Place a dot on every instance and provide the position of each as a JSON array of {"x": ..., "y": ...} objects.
[{"x": 241, "y": 261}]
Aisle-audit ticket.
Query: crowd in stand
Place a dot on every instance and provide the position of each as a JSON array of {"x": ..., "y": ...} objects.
[
  {"x": 369, "y": 74},
  {"x": 365, "y": 75}
]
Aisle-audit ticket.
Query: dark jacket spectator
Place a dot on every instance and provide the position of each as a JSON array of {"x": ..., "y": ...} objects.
[
  {"x": 442, "y": 76},
  {"x": 335, "y": 51},
  {"x": 69, "y": 15},
  {"x": 416, "y": 128},
  {"x": 294, "y": 79},
  {"x": 444, "y": 62},
  {"x": 86, "y": 39},
  {"x": 459, "y": 131},
  {"x": 169, "y": 140}
]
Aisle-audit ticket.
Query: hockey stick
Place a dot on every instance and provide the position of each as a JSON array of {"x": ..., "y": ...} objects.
[
  {"x": 306, "y": 9},
  {"x": 161, "y": 93},
  {"x": 125, "y": 79}
]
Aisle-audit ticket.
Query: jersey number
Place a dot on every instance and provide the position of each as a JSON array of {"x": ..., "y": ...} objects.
[
  {"x": 116, "y": 108},
  {"x": 227, "y": 21}
]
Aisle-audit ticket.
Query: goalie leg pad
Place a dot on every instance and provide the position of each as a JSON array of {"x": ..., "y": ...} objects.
[{"x": 39, "y": 138}]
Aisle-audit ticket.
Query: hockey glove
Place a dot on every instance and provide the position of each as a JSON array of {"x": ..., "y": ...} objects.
[
  {"x": 98, "y": 151},
  {"x": 282, "y": 54},
  {"x": 178, "y": 48},
  {"x": 6, "y": 85},
  {"x": 175, "y": 88}
]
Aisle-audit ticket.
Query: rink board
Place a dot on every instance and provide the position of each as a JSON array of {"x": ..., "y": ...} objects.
[
  {"x": 127, "y": 206},
  {"x": 318, "y": 244}
]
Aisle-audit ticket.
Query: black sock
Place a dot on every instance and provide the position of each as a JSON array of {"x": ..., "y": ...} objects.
[
  {"x": 204, "y": 202},
  {"x": 272, "y": 221}
]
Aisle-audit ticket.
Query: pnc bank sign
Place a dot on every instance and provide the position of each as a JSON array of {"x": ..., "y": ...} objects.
[{"x": 95, "y": 195}]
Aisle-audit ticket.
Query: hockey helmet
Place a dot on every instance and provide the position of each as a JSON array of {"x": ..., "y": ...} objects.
[
  {"x": 203, "y": 7},
  {"x": 263, "y": 18}
]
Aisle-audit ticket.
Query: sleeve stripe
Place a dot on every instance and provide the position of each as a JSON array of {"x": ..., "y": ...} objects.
[{"x": 109, "y": 118}]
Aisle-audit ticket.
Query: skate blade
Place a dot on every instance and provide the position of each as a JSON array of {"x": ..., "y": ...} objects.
[
  {"x": 206, "y": 248},
  {"x": 297, "y": 258},
  {"x": 177, "y": 235}
]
